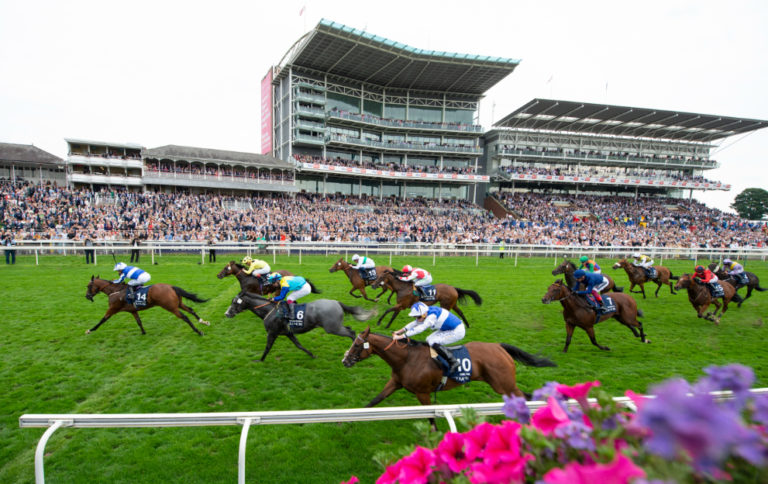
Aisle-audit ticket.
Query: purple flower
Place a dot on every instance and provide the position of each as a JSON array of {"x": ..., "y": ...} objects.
[
  {"x": 548, "y": 390},
  {"x": 736, "y": 378},
  {"x": 577, "y": 435},
  {"x": 516, "y": 408},
  {"x": 760, "y": 414}
]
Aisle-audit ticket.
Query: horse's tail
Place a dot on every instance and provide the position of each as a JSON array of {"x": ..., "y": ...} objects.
[
  {"x": 526, "y": 358},
  {"x": 466, "y": 292},
  {"x": 192, "y": 297},
  {"x": 640, "y": 313},
  {"x": 673, "y": 278},
  {"x": 314, "y": 289},
  {"x": 359, "y": 312}
]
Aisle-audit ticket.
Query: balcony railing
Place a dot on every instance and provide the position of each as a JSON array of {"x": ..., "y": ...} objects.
[
  {"x": 401, "y": 146},
  {"x": 150, "y": 174},
  {"x": 623, "y": 180},
  {"x": 401, "y": 124},
  {"x": 575, "y": 157}
]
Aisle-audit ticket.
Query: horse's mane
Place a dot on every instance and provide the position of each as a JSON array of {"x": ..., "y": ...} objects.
[
  {"x": 570, "y": 263},
  {"x": 408, "y": 341}
]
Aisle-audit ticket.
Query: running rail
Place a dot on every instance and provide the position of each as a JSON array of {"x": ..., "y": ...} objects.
[{"x": 247, "y": 419}]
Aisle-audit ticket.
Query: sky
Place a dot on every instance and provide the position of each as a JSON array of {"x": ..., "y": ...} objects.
[{"x": 188, "y": 72}]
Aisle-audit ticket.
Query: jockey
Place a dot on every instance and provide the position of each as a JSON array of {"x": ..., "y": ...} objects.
[
  {"x": 135, "y": 276},
  {"x": 362, "y": 263},
  {"x": 296, "y": 285},
  {"x": 448, "y": 329},
  {"x": 589, "y": 265},
  {"x": 420, "y": 277},
  {"x": 642, "y": 260},
  {"x": 706, "y": 276},
  {"x": 256, "y": 267},
  {"x": 594, "y": 282},
  {"x": 735, "y": 270}
]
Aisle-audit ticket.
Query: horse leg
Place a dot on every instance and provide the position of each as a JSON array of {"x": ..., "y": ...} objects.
[
  {"x": 632, "y": 286},
  {"x": 424, "y": 400},
  {"x": 271, "y": 337},
  {"x": 389, "y": 298},
  {"x": 381, "y": 294},
  {"x": 352, "y": 292},
  {"x": 568, "y": 335},
  {"x": 391, "y": 387},
  {"x": 742, "y": 299},
  {"x": 642, "y": 289},
  {"x": 378, "y": 323},
  {"x": 107, "y": 315},
  {"x": 591, "y": 333},
  {"x": 365, "y": 295},
  {"x": 672, "y": 287},
  {"x": 138, "y": 321},
  {"x": 658, "y": 283},
  {"x": 394, "y": 315},
  {"x": 193, "y": 313},
  {"x": 340, "y": 330},
  {"x": 184, "y": 318},
  {"x": 293, "y": 339}
]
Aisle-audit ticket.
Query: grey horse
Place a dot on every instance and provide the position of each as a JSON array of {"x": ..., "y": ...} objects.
[{"x": 324, "y": 313}]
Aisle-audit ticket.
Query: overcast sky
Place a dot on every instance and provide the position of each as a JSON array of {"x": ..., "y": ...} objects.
[{"x": 188, "y": 72}]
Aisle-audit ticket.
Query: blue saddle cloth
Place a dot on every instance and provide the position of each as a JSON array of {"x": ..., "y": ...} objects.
[
  {"x": 297, "y": 321},
  {"x": 742, "y": 278},
  {"x": 464, "y": 372},
  {"x": 368, "y": 274},
  {"x": 651, "y": 273},
  {"x": 609, "y": 305},
  {"x": 139, "y": 297},
  {"x": 716, "y": 290},
  {"x": 426, "y": 293}
]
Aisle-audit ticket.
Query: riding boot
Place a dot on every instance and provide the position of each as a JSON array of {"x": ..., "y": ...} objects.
[
  {"x": 129, "y": 295},
  {"x": 448, "y": 356}
]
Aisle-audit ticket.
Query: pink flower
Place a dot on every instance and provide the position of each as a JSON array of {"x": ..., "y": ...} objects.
[
  {"x": 501, "y": 472},
  {"x": 476, "y": 439},
  {"x": 548, "y": 418},
  {"x": 390, "y": 475},
  {"x": 416, "y": 467},
  {"x": 620, "y": 471},
  {"x": 352, "y": 480},
  {"x": 504, "y": 443},
  {"x": 578, "y": 392},
  {"x": 637, "y": 399},
  {"x": 450, "y": 451}
]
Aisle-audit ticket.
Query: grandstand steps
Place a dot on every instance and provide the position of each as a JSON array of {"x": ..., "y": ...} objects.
[{"x": 497, "y": 208}]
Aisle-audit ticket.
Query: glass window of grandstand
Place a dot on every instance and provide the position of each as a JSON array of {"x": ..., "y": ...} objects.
[
  {"x": 373, "y": 108},
  {"x": 459, "y": 116},
  {"x": 425, "y": 114},
  {"x": 462, "y": 142},
  {"x": 393, "y": 138},
  {"x": 424, "y": 140},
  {"x": 394, "y": 111},
  {"x": 428, "y": 165},
  {"x": 458, "y": 165},
  {"x": 433, "y": 190},
  {"x": 344, "y": 133},
  {"x": 343, "y": 103}
]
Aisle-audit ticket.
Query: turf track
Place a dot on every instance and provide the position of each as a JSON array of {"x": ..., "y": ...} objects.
[{"x": 49, "y": 365}]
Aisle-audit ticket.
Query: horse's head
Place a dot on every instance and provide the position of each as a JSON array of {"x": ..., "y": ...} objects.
[
  {"x": 246, "y": 300},
  {"x": 621, "y": 263},
  {"x": 685, "y": 281},
  {"x": 382, "y": 279},
  {"x": 360, "y": 349},
  {"x": 562, "y": 268},
  {"x": 95, "y": 285},
  {"x": 228, "y": 270},
  {"x": 339, "y": 265},
  {"x": 236, "y": 307},
  {"x": 556, "y": 292}
]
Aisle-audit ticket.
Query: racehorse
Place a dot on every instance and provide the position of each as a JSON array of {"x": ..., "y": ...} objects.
[
  {"x": 249, "y": 283},
  {"x": 638, "y": 277},
  {"x": 447, "y": 296},
  {"x": 577, "y": 312},
  {"x": 164, "y": 295},
  {"x": 700, "y": 297},
  {"x": 321, "y": 313},
  {"x": 358, "y": 283},
  {"x": 753, "y": 284},
  {"x": 567, "y": 268},
  {"x": 414, "y": 369}
]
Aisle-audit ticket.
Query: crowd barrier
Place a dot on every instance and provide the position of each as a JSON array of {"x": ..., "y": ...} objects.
[{"x": 154, "y": 420}]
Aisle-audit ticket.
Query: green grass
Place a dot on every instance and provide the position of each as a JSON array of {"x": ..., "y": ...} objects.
[{"x": 49, "y": 365}]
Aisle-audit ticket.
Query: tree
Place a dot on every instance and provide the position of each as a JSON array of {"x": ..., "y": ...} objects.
[{"x": 751, "y": 204}]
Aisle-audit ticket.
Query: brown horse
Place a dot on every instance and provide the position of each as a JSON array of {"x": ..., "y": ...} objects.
[
  {"x": 358, "y": 283},
  {"x": 249, "y": 283},
  {"x": 447, "y": 296},
  {"x": 567, "y": 268},
  {"x": 164, "y": 295},
  {"x": 414, "y": 369},
  {"x": 700, "y": 297},
  {"x": 577, "y": 312},
  {"x": 638, "y": 277},
  {"x": 753, "y": 282}
]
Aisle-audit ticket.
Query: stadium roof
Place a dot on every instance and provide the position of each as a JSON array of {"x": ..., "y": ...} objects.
[
  {"x": 347, "y": 52},
  {"x": 102, "y": 143},
  {"x": 27, "y": 154},
  {"x": 552, "y": 115},
  {"x": 190, "y": 153}
]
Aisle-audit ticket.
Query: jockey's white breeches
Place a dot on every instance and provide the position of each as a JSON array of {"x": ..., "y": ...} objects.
[
  {"x": 300, "y": 293},
  {"x": 447, "y": 337},
  {"x": 142, "y": 279},
  {"x": 423, "y": 282}
]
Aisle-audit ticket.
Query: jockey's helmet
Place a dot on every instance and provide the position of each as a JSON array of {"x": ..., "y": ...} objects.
[
  {"x": 274, "y": 277},
  {"x": 418, "y": 310},
  {"x": 120, "y": 266},
  {"x": 636, "y": 255},
  {"x": 407, "y": 269},
  {"x": 355, "y": 257},
  {"x": 247, "y": 260},
  {"x": 727, "y": 262},
  {"x": 583, "y": 259},
  {"x": 700, "y": 269},
  {"x": 578, "y": 274}
]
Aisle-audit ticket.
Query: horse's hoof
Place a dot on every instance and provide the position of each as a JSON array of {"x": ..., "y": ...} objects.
[
  {"x": 207, "y": 323},
  {"x": 605, "y": 348},
  {"x": 647, "y": 341},
  {"x": 87, "y": 331}
]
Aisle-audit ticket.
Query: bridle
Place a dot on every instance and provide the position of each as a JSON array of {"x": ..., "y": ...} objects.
[{"x": 358, "y": 345}]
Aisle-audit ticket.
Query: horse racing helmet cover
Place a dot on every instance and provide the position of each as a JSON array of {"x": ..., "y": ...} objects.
[
  {"x": 578, "y": 274},
  {"x": 700, "y": 269},
  {"x": 727, "y": 262},
  {"x": 120, "y": 266},
  {"x": 419, "y": 309},
  {"x": 636, "y": 255},
  {"x": 355, "y": 257},
  {"x": 583, "y": 258},
  {"x": 274, "y": 277},
  {"x": 247, "y": 260},
  {"x": 407, "y": 268}
]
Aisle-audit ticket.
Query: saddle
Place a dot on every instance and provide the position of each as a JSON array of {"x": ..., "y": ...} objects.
[
  {"x": 716, "y": 290},
  {"x": 464, "y": 372},
  {"x": 741, "y": 278},
  {"x": 368, "y": 274},
  {"x": 425, "y": 293},
  {"x": 609, "y": 305},
  {"x": 139, "y": 299},
  {"x": 651, "y": 273}
]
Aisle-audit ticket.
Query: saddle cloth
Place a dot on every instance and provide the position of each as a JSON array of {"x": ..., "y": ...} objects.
[
  {"x": 716, "y": 290},
  {"x": 741, "y": 278},
  {"x": 426, "y": 293},
  {"x": 609, "y": 305},
  {"x": 297, "y": 321},
  {"x": 139, "y": 297},
  {"x": 652, "y": 274},
  {"x": 368, "y": 274},
  {"x": 464, "y": 372}
]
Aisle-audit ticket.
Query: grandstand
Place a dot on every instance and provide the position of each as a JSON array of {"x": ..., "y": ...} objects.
[
  {"x": 30, "y": 163},
  {"x": 359, "y": 114}
]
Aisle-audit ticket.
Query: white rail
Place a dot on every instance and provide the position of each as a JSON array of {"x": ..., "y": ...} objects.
[{"x": 247, "y": 419}]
